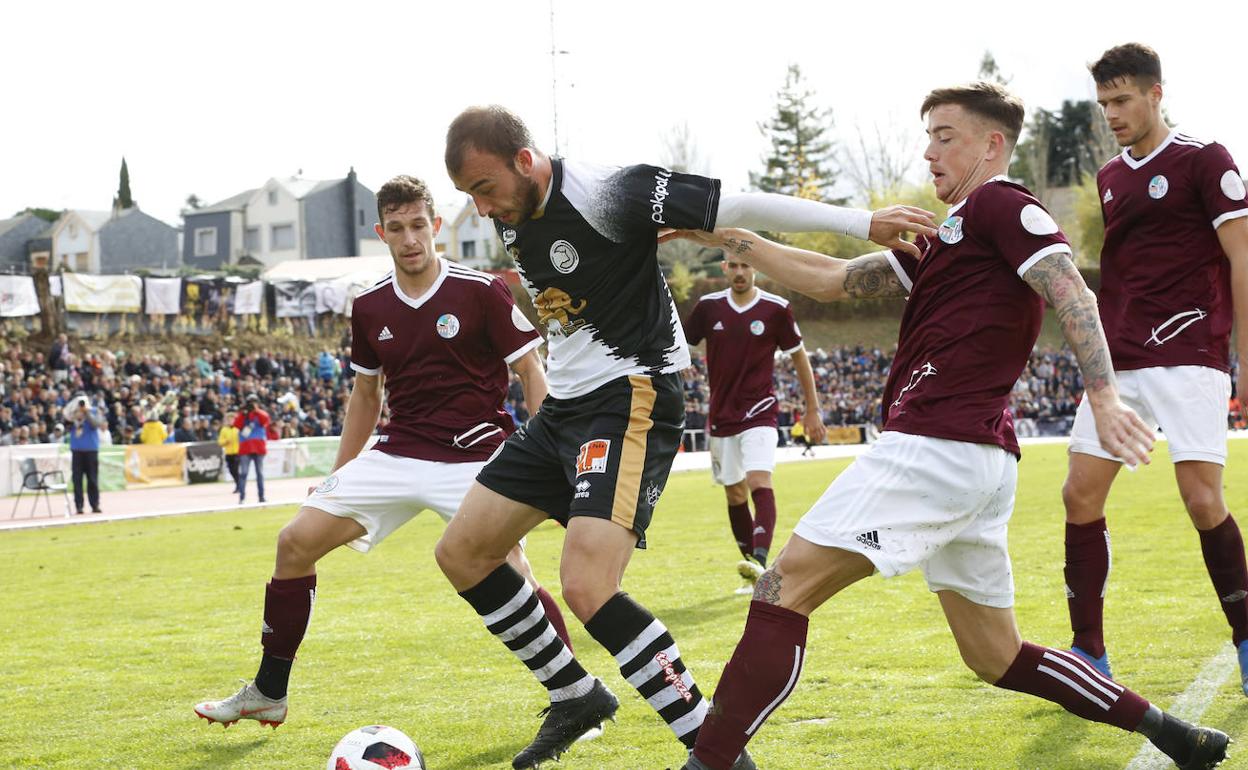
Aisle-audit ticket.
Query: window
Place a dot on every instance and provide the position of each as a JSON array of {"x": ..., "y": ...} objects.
[
  {"x": 468, "y": 249},
  {"x": 251, "y": 240},
  {"x": 282, "y": 237},
  {"x": 361, "y": 217},
  {"x": 81, "y": 262},
  {"x": 205, "y": 241},
  {"x": 272, "y": 197}
]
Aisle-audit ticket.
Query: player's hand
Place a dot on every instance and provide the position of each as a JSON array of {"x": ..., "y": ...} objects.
[
  {"x": 888, "y": 225},
  {"x": 311, "y": 489},
  {"x": 812, "y": 421},
  {"x": 1123, "y": 434}
]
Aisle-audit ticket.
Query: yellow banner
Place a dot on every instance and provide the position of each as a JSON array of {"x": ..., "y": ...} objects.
[
  {"x": 161, "y": 465},
  {"x": 845, "y": 434}
]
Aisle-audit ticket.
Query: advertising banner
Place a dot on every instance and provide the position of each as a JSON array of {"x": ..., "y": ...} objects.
[
  {"x": 17, "y": 296},
  {"x": 155, "y": 466},
  {"x": 204, "y": 461},
  {"x": 102, "y": 293}
]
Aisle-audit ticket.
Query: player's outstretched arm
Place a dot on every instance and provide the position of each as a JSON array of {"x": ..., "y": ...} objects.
[
  {"x": 817, "y": 276},
  {"x": 1121, "y": 430},
  {"x": 1233, "y": 237},
  {"x": 812, "y": 418},
  {"x": 787, "y": 214},
  {"x": 528, "y": 368},
  {"x": 363, "y": 410}
]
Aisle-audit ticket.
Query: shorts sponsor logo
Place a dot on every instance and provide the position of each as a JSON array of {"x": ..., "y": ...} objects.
[
  {"x": 658, "y": 196},
  {"x": 1158, "y": 186},
  {"x": 951, "y": 230},
  {"x": 328, "y": 485},
  {"x": 1174, "y": 326},
  {"x": 593, "y": 456},
  {"x": 757, "y": 328},
  {"x": 582, "y": 490},
  {"x": 1036, "y": 220},
  {"x": 448, "y": 326},
  {"x": 509, "y": 237},
  {"x": 563, "y": 256},
  {"x": 870, "y": 539},
  {"x": 673, "y": 677},
  {"x": 1232, "y": 185}
]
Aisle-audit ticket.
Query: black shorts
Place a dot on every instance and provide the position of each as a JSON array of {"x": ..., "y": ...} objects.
[{"x": 604, "y": 454}]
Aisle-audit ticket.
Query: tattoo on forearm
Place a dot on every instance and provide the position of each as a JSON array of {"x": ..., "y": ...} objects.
[
  {"x": 871, "y": 275},
  {"x": 739, "y": 246},
  {"x": 767, "y": 589},
  {"x": 1057, "y": 280}
]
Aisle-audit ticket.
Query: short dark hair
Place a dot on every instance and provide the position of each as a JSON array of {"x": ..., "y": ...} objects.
[
  {"x": 1129, "y": 60},
  {"x": 493, "y": 129},
  {"x": 986, "y": 100},
  {"x": 399, "y": 192}
]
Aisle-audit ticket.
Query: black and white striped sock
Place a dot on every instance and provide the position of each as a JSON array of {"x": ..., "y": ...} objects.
[
  {"x": 649, "y": 660},
  {"x": 512, "y": 612}
]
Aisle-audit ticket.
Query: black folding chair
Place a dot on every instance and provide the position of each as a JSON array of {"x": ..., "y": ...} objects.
[{"x": 41, "y": 482}]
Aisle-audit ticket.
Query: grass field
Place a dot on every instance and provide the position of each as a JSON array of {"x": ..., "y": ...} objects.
[{"x": 111, "y": 632}]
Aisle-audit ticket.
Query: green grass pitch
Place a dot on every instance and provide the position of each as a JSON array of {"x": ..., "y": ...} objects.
[{"x": 111, "y": 632}]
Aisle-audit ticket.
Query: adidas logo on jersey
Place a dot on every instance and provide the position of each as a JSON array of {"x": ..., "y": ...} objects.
[
  {"x": 719, "y": 326},
  {"x": 385, "y": 334},
  {"x": 870, "y": 539},
  {"x": 1109, "y": 196}
]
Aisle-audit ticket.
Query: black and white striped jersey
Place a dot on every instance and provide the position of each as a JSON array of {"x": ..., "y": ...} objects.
[{"x": 589, "y": 264}]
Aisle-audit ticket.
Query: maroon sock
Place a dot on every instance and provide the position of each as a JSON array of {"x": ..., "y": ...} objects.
[
  {"x": 1087, "y": 573},
  {"x": 554, "y": 615},
  {"x": 1068, "y": 680},
  {"x": 764, "y": 519},
  {"x": 287, "y": 610},
  {"x": 742, "y": 527},
  {"x": 1223, "y": 548},
  {"x": 763, "y": 671}
]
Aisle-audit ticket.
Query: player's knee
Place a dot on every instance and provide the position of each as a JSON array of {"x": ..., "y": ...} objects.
[
  {"x": 292, "y": 551},
  {"x": 1205, "y": 506},
  {"x": 1080, "y": 501},
  {"x": 585, "y": 595}
]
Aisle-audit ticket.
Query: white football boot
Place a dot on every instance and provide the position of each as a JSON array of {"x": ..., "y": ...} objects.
[
  {"x": 750, "y": 571},
  {"x": 247, "y": 703}
]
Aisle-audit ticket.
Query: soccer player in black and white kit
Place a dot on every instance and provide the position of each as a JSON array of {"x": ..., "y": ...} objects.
[
  {"x": 597, "y": 453},
  {"x": 439, "y": 338}
]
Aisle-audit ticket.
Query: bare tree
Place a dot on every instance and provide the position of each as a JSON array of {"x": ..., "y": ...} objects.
[
  {"x": 880, "y": 159},
  {"x": 681, "y": 152}
]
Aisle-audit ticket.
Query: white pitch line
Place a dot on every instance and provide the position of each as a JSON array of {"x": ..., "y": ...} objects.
[{"x": 1190, "y": 704}]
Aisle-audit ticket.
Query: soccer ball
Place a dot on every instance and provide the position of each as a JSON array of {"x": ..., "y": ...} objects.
[{"x": 373, "y": 748}]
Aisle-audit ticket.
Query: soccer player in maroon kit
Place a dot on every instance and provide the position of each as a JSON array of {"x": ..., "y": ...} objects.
[
  {"x": 1174, "y": 277},
  {"x": 439, "y": 337},
  {"x": 743, "y": 326},
  {"x": 937, "y": 490}
]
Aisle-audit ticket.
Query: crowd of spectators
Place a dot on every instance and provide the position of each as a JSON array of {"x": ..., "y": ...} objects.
[{"x": 305, "y": 395}]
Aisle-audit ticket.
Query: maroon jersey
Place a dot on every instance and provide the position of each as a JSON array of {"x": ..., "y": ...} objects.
[
  {"x": 971, "y": 321},
  {"x": 444, "y": 355},
  {"x": 741, "y": 343},
  {"x": 1165, "y": 284}
]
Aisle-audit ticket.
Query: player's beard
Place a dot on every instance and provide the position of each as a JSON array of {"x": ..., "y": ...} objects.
[{"x": 528, "y": 198}]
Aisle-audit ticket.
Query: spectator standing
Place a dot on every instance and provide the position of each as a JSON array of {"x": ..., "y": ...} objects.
[
  {"x": 253, "y": 425},
  {"x": 227, "y": 437},
  {"x": 84, "y": 447},
  {"x": 58, "y": 358}
]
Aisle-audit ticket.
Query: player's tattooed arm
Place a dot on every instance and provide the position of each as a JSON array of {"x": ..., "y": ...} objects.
[
  {"x": 1057, "y": 279},
  {"x": 767, "y": 589},
  {"x": 872, "y": 275}
]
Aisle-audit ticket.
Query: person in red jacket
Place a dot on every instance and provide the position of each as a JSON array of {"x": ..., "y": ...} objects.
[{"x": 252, "y": 423}]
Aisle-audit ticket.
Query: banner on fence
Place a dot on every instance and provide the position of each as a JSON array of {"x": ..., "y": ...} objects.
[
  {"x": 845, "y": 434},
  {"x": 204, "y": 461},
  {"x": 155, "y": 465},
  {"x": 102, "y": 293},
  {"x": 163, "y": 295},
  {"x": 17, "y": 296},
  {"x": 248, "y": 298}
]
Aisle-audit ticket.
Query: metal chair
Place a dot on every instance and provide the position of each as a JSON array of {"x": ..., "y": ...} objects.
[{"x": 38, "y": 482}]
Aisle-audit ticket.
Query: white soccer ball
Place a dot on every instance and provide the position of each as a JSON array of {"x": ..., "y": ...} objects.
[{"x": 375, "y": 747}]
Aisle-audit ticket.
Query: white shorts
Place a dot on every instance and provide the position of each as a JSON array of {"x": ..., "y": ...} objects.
[
  {"x": 753, "y": 449},
  {"x": 1188, "y": 403},
  {"x": 383, "y": 491},
  {"x": 916, "y": 501}
]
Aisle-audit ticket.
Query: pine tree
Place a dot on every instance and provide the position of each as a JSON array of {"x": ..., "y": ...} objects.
[
  {"x": 801, "y": 159},
  {"x": 123, "y": 199}
]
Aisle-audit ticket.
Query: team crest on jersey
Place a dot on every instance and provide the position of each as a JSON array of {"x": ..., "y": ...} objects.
[
  {"x": 951, "y": 230},
  {"x": 1158, "y": 186},
  {"x": 652, "y": 494},
  {"x": 509, "y": 237},
  {"x": 1232, "y": 185},
  {"x": 554, "y": 306},
  {"x": 757, "y": 328},
  {"x": 563, "y": 256},
  {"x": 448, "y": 326},
  {"x": 593, "y": 456}
]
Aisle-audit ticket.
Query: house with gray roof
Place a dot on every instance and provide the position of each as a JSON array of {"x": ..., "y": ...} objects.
[
  {"x": 113, "y": 242},
  {"x": 16, "y": 236}
]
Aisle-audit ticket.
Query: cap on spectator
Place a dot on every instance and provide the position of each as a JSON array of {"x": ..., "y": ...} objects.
[{"x": 252, "y": 398}]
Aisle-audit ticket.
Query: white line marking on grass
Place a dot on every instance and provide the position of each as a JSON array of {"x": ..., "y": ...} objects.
[{"x": 1190, "y": 704}]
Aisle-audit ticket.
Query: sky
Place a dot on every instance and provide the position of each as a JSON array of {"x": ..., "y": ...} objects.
[{"x": 215, "y": 98}]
